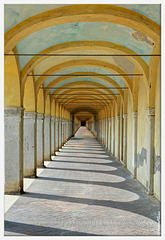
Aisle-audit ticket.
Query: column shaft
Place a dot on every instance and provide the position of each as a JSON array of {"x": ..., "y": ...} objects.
[
  {"x": 113, "y": 136},
  {"x": 56, "y": 134},
  {"x": 40, "y": 140},
  {"x": 125, "y": 140},
  {"x": 109, "y": 134},
  {"x": 52, "y": 135},
  {"x": 47, "y": 138},
  {"x": 59, "y": 134},
  {"x": 29, "y": 146},
  {"x": 13, "y": 119},
  {"x": 118, "y": 138},
  {"x": 150, "y": 150},
  {"x": 134, "y": 144}
]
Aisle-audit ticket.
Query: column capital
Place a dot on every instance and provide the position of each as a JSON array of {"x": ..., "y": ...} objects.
[
  {"x": 13, "y": 111},
  {"x": 125, "y": 115},
  {"x": 47, "y": 117},
  {"x": 118, "y": 117},
  {"x": 109, "y": 119},
  {"x": 40, "y": 116},
  {"x": 53, "y": 118},
  {"x": 56, "y": 119},
  {"x": 30, "y": 115},
  {"x": 150, "y": 112},
  {"x": 134, "y": 114}
]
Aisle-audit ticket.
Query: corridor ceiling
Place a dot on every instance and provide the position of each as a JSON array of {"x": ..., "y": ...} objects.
[{"x": 82, "y": 46}]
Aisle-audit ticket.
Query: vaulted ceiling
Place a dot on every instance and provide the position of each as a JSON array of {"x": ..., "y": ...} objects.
[{"x": 82, "y": 40}]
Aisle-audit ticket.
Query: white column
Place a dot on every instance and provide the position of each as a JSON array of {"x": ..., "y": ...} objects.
[
  {"x": 63, "y": 132},
  {"x": 109, "y": 134},
  {"x": 102, "y": 131},
  {"x": 67, "y": 129},
  {"x": 56, "y": 135},
  {"x": 113, "y": 136},
  {"x": 70, "y": 125},
  {"x": 125, "y": 140},
  {"x": 13, "y": 120},
  {"x": 47, "y": 138},
  {"x": 59, "y": 133},
  {"x": 134, "y": 144},
  {"x": 40, "y": 140},
  {"x": 106, "y": 134},
  {"x": 99, "y": 130},
  {"x": 52, "y": 135},
  {"x": 29, "y": 146},
  {"x": 118, "y": 138},
  {"x": 150, "y": 150}
]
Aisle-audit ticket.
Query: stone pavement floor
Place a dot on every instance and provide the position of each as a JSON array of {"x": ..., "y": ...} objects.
[{"x": 84, "y": 191}]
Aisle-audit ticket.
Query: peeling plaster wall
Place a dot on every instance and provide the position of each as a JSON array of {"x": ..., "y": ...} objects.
[
  {"x": 81, "y": 31},
  {"x": 129, "y": 134},
  {"x": 142, "y": 134},
  {"x": 157, "y": 141}
]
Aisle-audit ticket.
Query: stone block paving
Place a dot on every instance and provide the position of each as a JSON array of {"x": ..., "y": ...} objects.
[{"x": 84, "y": 191}]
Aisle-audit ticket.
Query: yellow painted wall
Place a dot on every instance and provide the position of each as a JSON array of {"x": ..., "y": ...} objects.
[
  {"x": 142, "y": 134},
  {"x": 47, "y": 106},
  {"x": 40, "y": 101},
  {"x": 53, "y": 108},
  {"x": 29, "y": 95},
  {"x": 11, "y": 82},
  {"x": 56, "y": 109},
  {"x": 157, "y": 141},
  {"x": 129, "y": 133}
]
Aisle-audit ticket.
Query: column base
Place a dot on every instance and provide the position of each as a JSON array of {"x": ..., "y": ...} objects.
[
  {"x": 41, "y": 166},
  {"x": 149, "y": 193},
  {"x": 133, "y": 176},
  {"x": 18, "y": 192}
]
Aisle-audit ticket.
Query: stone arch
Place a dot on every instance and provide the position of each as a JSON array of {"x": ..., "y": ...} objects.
[
  {"x": 85, "y": 62},
  {"x": 154, "y": 75},
  {"x": 99, "y": 76},
  {"x": 81, "y": 13},
  {"x": 96, "y": 45}
]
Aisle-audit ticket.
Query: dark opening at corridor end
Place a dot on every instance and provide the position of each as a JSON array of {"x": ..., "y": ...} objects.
[{"x": 83, "y": 123}]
